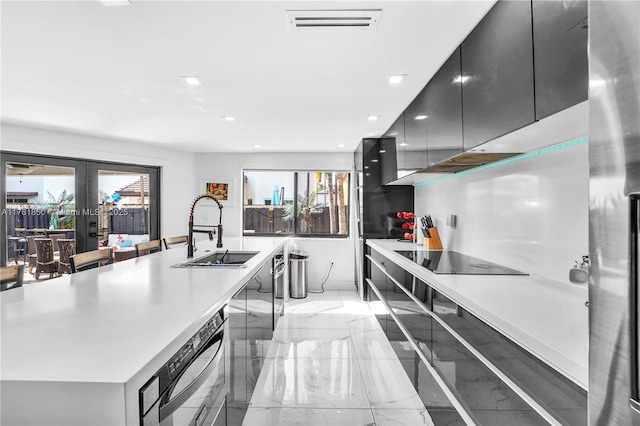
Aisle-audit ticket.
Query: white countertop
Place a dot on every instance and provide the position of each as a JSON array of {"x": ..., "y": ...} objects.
[
  {"x": 546, "y": 317},
  {"x": 105, "y": 325}
]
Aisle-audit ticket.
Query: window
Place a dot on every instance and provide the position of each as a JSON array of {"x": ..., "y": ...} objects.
[{"x": 321, "y": 207}]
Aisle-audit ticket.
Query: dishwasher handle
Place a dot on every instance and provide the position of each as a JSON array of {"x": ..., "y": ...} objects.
[{"x": 170, "y": 406}]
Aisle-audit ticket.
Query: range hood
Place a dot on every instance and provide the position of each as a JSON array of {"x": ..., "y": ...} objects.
[
  {"x": 467, "y": 160},
  {"x": 569, "y": 124}
]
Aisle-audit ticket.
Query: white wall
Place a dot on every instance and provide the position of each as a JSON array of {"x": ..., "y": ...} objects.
[
  {"x": 178, "y": 180},
  {"x": 43, "y": 186},
  {"x": 322, "y": 251},
  {"x": 259, "y": 186},
  {"x": 531, "y": 215}
]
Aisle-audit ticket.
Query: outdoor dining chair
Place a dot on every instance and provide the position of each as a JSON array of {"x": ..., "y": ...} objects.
[
  {"x": 32, "y": 257},
  {"x": 45, "y": 260},
  {"x": 67, "y": 249}
]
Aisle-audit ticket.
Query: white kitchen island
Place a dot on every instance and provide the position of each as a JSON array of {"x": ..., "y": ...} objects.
[
  {"x": 547, "y": 318},
  {"x": 75, "y": 350}
]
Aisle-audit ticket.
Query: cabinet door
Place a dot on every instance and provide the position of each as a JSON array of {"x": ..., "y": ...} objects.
[
  {"x": 238, "y": 353},
  {"x": 444, "y": 107},
  {"x": 497, "y": 60},
  {"x": 278, "y": 271},
  {"x": 397, "y": 131},
  {"x": 416, "y": 121},
  {"x": 388, "y": 160},
  {"x": 560, "y": 55}
]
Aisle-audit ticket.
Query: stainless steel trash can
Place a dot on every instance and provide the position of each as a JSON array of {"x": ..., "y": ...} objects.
[
  {"x": 298, "y": 279},
  {"x": 278, "y": 277}
]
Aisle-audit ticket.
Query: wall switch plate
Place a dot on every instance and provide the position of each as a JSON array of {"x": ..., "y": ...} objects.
[{"x": 452, "y": 219}]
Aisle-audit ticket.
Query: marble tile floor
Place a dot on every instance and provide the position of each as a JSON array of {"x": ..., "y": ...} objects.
[{"x": 330, "y": 363}]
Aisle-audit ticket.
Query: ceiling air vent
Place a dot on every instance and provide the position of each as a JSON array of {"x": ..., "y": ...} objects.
[{"x": 333, "y": 20}]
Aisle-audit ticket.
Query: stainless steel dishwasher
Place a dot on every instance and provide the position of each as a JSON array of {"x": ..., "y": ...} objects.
[{"x": 189, "y": 389}]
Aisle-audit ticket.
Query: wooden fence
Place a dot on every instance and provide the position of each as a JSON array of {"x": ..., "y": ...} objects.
[
  {"x": 26, "y": 218},
  {"x": 269, "y": 220},
  {"x": 128, "y": 221}
]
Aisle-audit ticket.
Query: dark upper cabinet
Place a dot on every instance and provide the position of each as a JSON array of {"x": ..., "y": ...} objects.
[
  {"x": 443, "y": 104},
  {"x": 388, "y": 161},
  {"x": 378, "y": 162},
  {"x": 560, "y": 55},
  {"x": 397, "y": 131},
  {"x": 379, "y": 203},
  {"x": 415, "y": 133},
  {"x": 497, "y": 58},
  {"x": 371, "y": 163}
]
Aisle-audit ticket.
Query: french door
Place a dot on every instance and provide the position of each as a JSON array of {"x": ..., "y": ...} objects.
[{"x": 82, "y": 199}]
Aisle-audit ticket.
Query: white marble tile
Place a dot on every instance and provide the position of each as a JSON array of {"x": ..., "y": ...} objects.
[
  {"x": 312, "y": 383},
  {"x": 315, "y": 307},
  {"x": 386, "y": 417},
  {"x": 314, "y": 321},
  {"x": 350, "y": 295},
  {"x": 372, "y": 344},
  {"x": 308, "y": 417},
  {"x": 388, "y": 385},
  {"x": 316, "y": 343},
  {"x": 360, "y": 324}
]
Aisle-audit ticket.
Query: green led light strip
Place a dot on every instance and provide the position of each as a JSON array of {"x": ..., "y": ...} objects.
[{"x": 505, "y": 161}]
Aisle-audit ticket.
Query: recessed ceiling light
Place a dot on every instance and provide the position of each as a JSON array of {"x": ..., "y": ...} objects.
[
  {"x": 366, "y": 167},
  {"x": 597, "y": 82},
  {"x": 375, "y": 160},
  {"x": 461, "y": 78},
  {"x": 256, "y": 146},
  {"x": 116, "y": 2},
  {"x": 396, "y": 78},
  {"x": 420, "y": 117},
  {"x": 229, "y": 118},
  {"x": 382, "y": 151},
  {"x": 341, "y": 145},
  {"x": 404, "y": 144},
  {"x": 191, "y": 80},
  {"x": 373, "y": 117}
]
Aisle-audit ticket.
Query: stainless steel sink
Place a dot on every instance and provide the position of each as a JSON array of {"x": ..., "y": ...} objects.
[{"x": 220, "y": 259}]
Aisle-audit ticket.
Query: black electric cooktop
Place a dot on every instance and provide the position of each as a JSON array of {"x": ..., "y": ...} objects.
[{"x": 451, "y": 262}]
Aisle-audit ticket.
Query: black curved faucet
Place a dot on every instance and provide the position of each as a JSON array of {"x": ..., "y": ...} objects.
[{"x": 191, "y": 225}]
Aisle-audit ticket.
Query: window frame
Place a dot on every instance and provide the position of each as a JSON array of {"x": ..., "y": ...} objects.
[{"x": 295, "y": 232}]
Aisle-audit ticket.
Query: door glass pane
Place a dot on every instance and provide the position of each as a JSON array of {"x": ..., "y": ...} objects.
[
  {"x": 40, "y": 203},
  {"x": 123, "y": 211},
  {"x": 323, "y": 203}
]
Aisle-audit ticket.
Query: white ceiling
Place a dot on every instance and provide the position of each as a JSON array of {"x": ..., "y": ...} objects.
[{"x": 114, "y": 71}]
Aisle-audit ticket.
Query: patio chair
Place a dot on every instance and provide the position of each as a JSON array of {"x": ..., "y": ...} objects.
[
  {"x": 174, "y": 240},
  {"x": 11, "y": 277},
  {"x": 67, "y": 249},
  {"x": 91, "y": 259},
  {"x": 45, "y": 260},
  {"x": 148, "y": 247},
  {"x": 32, "y": 257},
  {"x": 55, "y": 238}
]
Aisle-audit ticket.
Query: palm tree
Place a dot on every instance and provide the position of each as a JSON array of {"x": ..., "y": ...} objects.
[
  {"x": 58, "y": 207},
  {"x": 306, "y": 208}
]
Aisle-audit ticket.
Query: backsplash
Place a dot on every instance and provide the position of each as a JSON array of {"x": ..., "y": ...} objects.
[{"x": 531, "y": 215}]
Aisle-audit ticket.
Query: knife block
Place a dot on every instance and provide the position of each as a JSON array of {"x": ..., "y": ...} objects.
[{"x": 433, "y": 242}]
